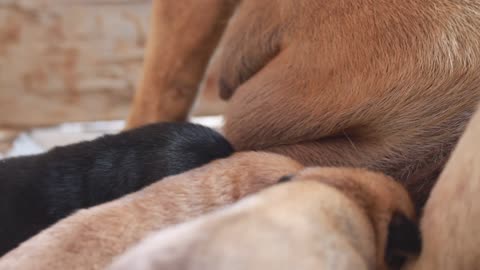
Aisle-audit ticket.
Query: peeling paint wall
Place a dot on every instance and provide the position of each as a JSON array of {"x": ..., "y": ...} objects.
[{"x": 67, "y": 60}]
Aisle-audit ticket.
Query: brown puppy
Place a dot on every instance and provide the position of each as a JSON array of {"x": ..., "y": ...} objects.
[
  {"x": 385, "y": 85},
  {"x": 332, "y": 219},
  {"x": 452, "y": 213},
  {"x": 90, "y": 238}
]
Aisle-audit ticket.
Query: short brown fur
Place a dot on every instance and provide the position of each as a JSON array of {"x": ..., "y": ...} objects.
[
  {"x": 385, "y": 85},
  {"x": 182, "y": 36}
]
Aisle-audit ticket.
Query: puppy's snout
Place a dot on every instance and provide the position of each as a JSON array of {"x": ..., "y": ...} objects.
[{"x": 404, "y": 240}]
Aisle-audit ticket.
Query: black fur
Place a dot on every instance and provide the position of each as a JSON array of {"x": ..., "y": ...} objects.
[
  {"x": 404, "y": 240},
  {"x": 36, "y": 191}
]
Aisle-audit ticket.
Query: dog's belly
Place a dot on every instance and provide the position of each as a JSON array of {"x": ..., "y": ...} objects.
[{"x": 366, "y": 97}]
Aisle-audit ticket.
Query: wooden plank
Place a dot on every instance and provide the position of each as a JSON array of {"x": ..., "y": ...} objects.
[
  {"x": 70, "y": 60},
  {"x": 75, "y": 62}
]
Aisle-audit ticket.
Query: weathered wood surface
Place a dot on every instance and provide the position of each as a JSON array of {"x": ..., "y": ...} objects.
[{"x": 69, "y": 60}]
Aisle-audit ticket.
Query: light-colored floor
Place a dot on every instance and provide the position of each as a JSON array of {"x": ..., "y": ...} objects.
[{"x": 42, "y": 139}]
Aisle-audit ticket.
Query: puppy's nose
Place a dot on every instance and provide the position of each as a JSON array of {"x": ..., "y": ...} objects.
[{"x": 285, "y": 178}]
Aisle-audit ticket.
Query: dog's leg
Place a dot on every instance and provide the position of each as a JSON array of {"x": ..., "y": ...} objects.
[
  {"x": 452, "y": 213},
  {"x": 182, "y": 36},
  {"x": 90, "y": 238}
]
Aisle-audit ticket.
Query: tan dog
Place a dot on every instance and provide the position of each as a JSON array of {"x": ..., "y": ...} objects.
[
  {"x": 385, "y": 85},
  {"x": 328, "y": 219},
  {"x": 90, "y": 238},
  {"x": 452, "y": 213}
]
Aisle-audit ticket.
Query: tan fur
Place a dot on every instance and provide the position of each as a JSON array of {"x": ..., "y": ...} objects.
[
  {"x": 324, "y": 219},
  {"x": 182, "y": 36},
  {"x": 90, "y": 238},
  {"x": 385, "y": 85},
  {"x": 452, "y": 214}
]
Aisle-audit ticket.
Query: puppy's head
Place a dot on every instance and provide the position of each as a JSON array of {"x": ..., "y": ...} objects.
[{"x": 386, "y": 203}]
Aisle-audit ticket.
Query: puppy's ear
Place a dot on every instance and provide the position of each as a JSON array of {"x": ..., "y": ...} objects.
[
  {"x": 285, "y": 178},
  {"x": 403, "y": 240}
]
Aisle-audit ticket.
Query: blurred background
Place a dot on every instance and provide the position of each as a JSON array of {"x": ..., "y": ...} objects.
[{"x": 68, "y": 70}]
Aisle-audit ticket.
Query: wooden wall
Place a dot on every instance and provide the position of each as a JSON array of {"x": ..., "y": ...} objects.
[{"x": 69, "y": 60}]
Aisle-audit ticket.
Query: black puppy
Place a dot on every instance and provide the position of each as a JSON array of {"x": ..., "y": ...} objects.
[{"x": 36, "y": 191}]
